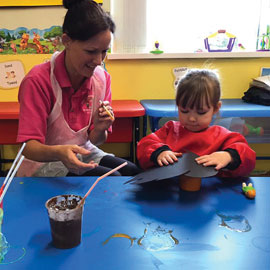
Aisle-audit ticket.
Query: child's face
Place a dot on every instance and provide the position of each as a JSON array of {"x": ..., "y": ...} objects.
[{"x": 196, "y": 120}]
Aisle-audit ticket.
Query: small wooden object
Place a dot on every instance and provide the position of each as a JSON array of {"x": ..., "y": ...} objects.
[{"x": 188, "y": 183}]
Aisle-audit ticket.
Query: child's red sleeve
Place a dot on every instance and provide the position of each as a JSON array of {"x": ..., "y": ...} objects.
[
  {"x": 247, "y": 155},
  {"x": 149, "y": 144}
]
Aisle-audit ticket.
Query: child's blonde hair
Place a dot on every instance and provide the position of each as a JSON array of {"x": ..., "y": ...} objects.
[{"x": 198, "y": 87}]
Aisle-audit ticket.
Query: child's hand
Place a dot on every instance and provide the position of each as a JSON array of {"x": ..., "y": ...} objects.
[
  {"x": 166, "y": 157},
  {"x": 219, "y": 159}
]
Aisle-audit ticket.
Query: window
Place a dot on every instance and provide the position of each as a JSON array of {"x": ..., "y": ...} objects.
[{"x": 182, "y": 25}]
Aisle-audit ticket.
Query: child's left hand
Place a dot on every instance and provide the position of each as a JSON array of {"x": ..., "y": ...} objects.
[{"x": 218, "y": 159}]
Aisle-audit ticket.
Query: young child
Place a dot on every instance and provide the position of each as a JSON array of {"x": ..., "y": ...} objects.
[{"x": 198, "y": 99}]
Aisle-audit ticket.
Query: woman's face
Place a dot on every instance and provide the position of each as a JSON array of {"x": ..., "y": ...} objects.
[
  {"x": 197, "y": 120},
  {"x": 82, "y": 57}
]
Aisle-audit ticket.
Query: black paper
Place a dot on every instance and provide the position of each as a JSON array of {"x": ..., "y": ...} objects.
[{"x": 185, "y": 165}]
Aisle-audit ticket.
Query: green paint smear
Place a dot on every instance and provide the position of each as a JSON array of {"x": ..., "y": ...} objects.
[
  {"x": 4, "y": 246},
  {"x": 8, "y": 254}
]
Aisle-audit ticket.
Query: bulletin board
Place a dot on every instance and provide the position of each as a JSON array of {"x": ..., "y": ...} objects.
[{"x": 16, "y": 3}]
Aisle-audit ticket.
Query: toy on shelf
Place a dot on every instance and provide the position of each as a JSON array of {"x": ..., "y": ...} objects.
[
  {"x": 241, "y": 46},
  {"x": 250, "y": 130},
  {"x": 220, "y": 41},
  {"x": 263, "y": 43},
  {"x": 249, "y": 190},
  {"x": 237, "y": 124},
  {"x": 157, "y": 50}
]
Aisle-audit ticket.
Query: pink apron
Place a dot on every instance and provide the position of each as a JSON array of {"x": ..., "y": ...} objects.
[{"x": 59, "y": 132}]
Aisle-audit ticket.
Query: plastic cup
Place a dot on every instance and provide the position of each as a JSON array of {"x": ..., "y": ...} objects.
[
  {"x": 188, "y": 183},
  {"x": 65, "y": 216}
]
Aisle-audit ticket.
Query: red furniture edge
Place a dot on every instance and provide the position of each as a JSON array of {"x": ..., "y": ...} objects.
[{"x": 125, "y": 127}]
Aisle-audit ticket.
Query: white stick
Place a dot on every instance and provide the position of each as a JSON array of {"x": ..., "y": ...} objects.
[
  {"x": 11, "y": 178},
  {"x": 14, "y": 162},
  {"x": 107, "y": 111}
]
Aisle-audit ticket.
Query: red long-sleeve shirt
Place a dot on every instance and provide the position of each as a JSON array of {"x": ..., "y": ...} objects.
[{"x": 213, "y": 139}]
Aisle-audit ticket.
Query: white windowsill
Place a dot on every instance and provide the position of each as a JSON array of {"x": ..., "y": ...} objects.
[{"x": 118, "y": 56}]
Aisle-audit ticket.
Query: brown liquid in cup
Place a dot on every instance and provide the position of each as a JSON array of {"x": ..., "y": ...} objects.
[{"x": 65, "y": 217}]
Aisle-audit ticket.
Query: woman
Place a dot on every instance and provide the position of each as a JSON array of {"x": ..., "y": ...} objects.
[{"x": 61, "y": 116}]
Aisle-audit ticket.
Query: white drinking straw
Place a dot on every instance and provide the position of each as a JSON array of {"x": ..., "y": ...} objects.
[
  {"x": 14, "y": 162},
  {"x": 9, "y": 180},
  {"x": 101, "y": 177}
]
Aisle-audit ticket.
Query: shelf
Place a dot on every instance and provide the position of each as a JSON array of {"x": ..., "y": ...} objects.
[{"x": 120, "y": 56}]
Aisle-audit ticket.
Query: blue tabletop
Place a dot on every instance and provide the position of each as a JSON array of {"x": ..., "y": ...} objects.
[
  {"x": 229, "y": 108},
  {"x": 155, "y": 226}
]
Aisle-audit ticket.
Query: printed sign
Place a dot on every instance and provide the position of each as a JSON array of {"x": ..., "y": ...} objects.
[
  {"x": 11, "y": 74},
  {"x": 179, "y": 72}
]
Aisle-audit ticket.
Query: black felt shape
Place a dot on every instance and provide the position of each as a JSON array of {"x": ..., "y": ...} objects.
[
  {"x": 198, "y": 170},
  {"x": 185, "y": 165}
]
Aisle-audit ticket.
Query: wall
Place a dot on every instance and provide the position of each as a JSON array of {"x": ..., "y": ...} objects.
[
  {"x": 142, "y": 79},
  {"x": 146, "y": 79}
]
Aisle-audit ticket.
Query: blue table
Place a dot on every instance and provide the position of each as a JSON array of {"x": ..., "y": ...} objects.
[
  {"x": 161, "y": 228},
  {"x": 158, "y": 108}
]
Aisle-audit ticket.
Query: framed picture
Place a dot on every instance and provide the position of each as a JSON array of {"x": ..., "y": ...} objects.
[{"x": 265, "y": 71}]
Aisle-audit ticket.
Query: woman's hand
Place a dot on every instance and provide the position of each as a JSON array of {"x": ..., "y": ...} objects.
[
  {"x": 104, "y": 117},
  {"x": 37, "y": 151},
  {"x": 102, "y": 121},
  {"x": 167, "y": 157},
  {"x": 68, "y": 155},
  {"x": 218, "y": 159}
]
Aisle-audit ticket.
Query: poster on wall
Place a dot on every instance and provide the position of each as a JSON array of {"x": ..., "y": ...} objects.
[
  {"x": 31, "y": 38},
  {"x": 11, "y": 74},
  {"x": 178, "y": 73},
  {"x": 16, "y": 3},
  {"x": 30, "y": 41}
]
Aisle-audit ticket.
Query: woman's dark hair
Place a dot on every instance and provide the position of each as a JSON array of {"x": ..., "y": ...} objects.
[
  {"x": 196, "y": 87},
  {"x": 84, "y": 19}
]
